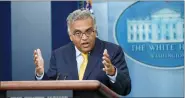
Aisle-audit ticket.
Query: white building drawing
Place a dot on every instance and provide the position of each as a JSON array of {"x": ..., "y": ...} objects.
[{"x": 165, "y": 25}]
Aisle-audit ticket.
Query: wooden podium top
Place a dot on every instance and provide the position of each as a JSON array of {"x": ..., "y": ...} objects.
[
  {"x": 50, "y": 85},
  {"x": 58, "y": 85}
]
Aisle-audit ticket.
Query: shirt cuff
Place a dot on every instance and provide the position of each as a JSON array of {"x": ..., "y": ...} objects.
[
  {"x": 113, "y": 78},
  {"x": 39, "y": 77}
]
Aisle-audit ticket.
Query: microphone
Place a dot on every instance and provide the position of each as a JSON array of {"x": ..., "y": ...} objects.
[
  {"x": 65, "y": 76},
  {"x": 58, "y": 76}
]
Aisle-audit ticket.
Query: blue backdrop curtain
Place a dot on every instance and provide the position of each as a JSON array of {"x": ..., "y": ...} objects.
[
  {"x": 5, "y": 41},
  {"x": 60, "y": 11}
]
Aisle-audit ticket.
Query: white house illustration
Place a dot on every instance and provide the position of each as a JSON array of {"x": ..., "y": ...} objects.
[{"x": 165, "y": 25}]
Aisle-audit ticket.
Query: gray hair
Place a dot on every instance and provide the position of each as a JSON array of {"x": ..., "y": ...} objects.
[{"x": 80, "y": 14}]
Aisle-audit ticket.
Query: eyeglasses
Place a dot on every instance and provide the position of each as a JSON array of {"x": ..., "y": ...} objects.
[{"x": 79, "y": 33}]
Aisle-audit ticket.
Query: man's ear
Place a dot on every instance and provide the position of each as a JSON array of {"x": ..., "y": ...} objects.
[
  {"x": 96, "y": 33},
  {"x": 71, "y": 38}
]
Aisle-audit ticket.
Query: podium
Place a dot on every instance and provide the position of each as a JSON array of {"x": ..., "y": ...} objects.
[{"x": 56, "y": 89}]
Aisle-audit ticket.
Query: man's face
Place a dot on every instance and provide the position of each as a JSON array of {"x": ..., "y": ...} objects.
[{"x": 83, "y": 35}]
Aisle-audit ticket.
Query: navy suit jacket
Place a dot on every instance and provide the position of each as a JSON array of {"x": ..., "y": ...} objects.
[{"x": 63, "y": 65}]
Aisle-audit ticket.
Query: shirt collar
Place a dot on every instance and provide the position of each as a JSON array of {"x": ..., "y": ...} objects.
[{"x": 78, "y": 53}]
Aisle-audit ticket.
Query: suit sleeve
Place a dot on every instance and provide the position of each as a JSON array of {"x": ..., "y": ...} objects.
[
  {"x": 52, "y": 71},
  {"x": 122, "y": 85}
]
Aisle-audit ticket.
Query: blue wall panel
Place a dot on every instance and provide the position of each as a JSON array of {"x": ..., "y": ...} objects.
[
  {"x": 5, "y": 41},
  {"x": 60, "y": 11}
]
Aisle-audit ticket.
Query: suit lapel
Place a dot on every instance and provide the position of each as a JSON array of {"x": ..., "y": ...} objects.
[
  {"x": 93, "y": 59},
  {"x": 71, "y": 62}
]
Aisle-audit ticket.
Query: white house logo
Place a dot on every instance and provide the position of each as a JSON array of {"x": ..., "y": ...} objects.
[{"x": 153, "y": 36}]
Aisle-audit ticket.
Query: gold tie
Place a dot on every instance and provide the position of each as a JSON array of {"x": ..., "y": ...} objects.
[{"x": 83, "y": 66}]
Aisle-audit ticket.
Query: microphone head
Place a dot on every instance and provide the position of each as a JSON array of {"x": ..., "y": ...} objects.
[
  {"x": 65, "y": 75},
  {"x": 58, "y": 75}
]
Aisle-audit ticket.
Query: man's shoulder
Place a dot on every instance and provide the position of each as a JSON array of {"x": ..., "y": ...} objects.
[
  {"x": 64, "y": 48},
  {"x": 110, "y": 45}
]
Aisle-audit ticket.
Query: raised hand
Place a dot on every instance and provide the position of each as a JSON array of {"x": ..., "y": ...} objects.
[
  {"x": 39, "y": 62},
  {"x": 108, "y": 67}
]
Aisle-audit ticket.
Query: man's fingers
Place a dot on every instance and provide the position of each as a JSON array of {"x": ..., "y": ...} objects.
[
  {"x": 36, "y": 62},
  {"x": 106, "y": 65},
  {"x": 39, "y": 52},
  {"x": 37, "y": 68},
  {"x": 106, "y": 59},
  {"x": 104, "y": 69},
  {"x": 105, "y": 53},
  {"x": 35, "y": 57},
  {"x": 34, "y": 53}
]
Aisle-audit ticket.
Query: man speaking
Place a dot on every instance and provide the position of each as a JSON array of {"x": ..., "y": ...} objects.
[{"x": 86, "y": 57}]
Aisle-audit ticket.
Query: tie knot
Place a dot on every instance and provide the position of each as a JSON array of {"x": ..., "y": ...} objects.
[{"x": 85, "y": 55}]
